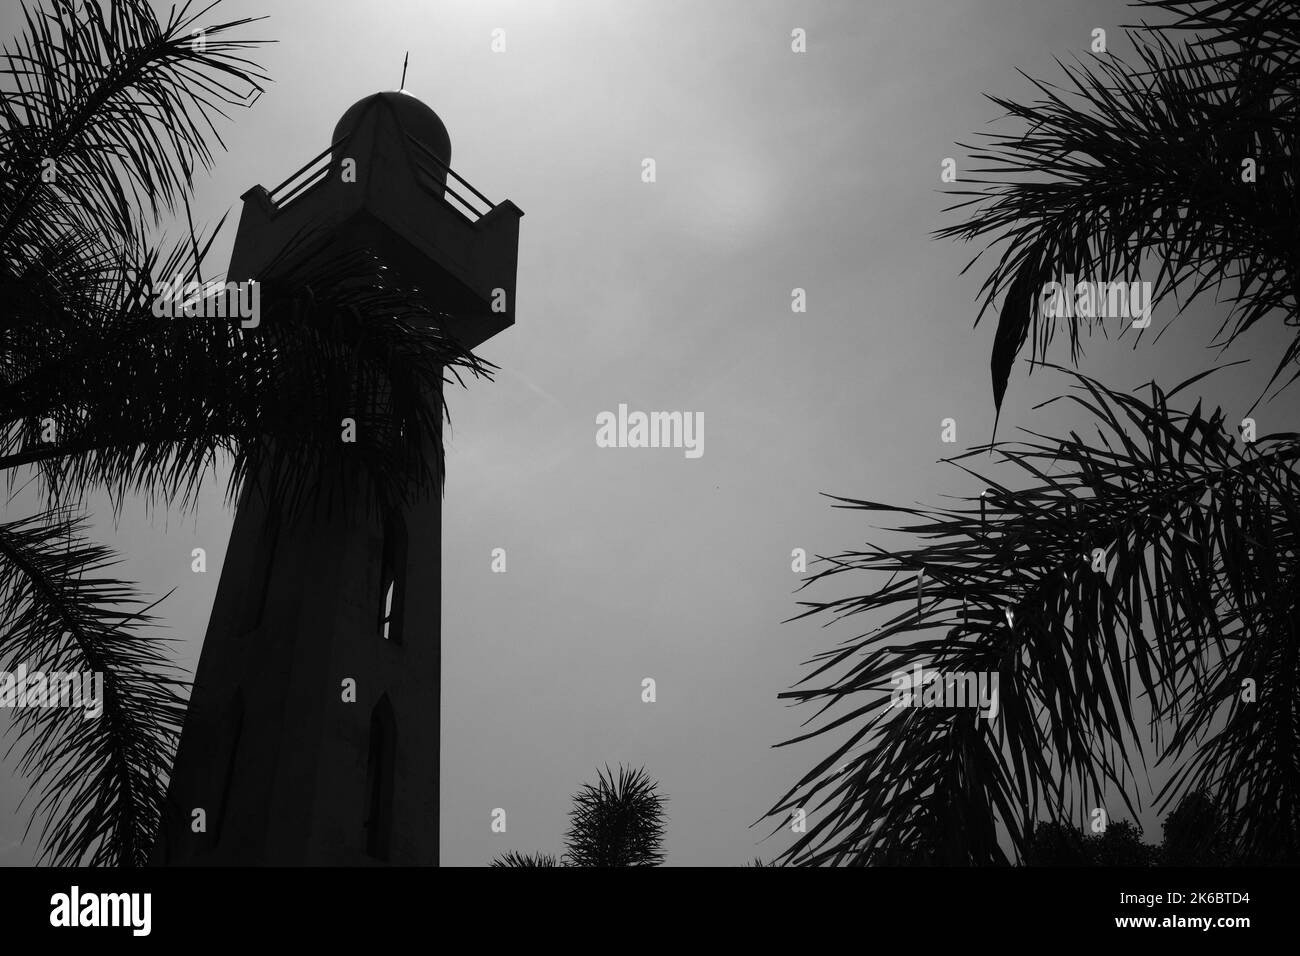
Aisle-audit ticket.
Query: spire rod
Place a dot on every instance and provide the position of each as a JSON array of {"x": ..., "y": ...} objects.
[{"x": 405, "y": 60}]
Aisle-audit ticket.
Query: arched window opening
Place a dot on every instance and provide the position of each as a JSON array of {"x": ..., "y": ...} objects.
[
  {"x": 380, "y": 768},
  {"x": 392, "y": 579}
]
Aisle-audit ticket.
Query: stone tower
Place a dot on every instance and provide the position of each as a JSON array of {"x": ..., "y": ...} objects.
[{"x": 286, "y": 771}]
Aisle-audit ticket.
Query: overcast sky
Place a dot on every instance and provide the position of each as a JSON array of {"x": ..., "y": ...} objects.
[{"x": 775, "y": 170}]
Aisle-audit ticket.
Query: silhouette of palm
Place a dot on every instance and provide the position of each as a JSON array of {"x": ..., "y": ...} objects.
[
  {"x": 614, "y": 822},
  {"x": 1160, "y": 559}
]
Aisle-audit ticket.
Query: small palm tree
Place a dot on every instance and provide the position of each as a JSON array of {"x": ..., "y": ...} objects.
[{"x": 614, "y": 822}]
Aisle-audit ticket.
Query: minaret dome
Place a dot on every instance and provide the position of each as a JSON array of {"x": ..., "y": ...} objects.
[{"x": 411, "y": 115}]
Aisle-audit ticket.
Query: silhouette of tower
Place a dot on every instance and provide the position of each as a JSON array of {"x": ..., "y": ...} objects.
[{"x": 285, "y": 771}]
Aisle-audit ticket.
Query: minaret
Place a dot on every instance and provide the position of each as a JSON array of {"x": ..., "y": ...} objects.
[{"x": 285, "y": 770}]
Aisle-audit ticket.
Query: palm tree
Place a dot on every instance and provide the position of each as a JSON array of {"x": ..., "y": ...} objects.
[
  {"x": 1160, "y": 559},
  {"x": 614, "y": 822},
  {"x": 525, "y": 860},
  {"x": 106, "y": 113}
]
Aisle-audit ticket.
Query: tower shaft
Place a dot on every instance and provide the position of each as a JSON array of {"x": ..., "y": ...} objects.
[{"x": 312, "y": 736}]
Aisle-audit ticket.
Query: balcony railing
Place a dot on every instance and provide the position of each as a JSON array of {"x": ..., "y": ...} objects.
[
  {"x": 435, "y": 175},
  {"x": 430, "y": 164},
  {"x": 315, "y": 172}
]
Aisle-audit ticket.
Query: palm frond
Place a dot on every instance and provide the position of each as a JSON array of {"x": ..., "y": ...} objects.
[
  {"x": 149, "y": 405},
  {"x": 1254, "y": 42},
  {"x": 1122, "y": 163},
  {"x": 122, "y": 104},
  {"x": 100, "y": 780},
  {"x": 1159, "y": 560}
]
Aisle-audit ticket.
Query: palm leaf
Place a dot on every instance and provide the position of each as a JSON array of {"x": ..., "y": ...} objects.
[
  {"x": 100, "y": 781},
  {"x": 1201, "y": 542},
  {"x": 1123, "y": 162},
  {"x": 123, "y": 105}
]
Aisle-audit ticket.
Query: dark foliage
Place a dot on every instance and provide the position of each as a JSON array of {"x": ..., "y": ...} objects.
[
  {"x": 1196, "y": 833},
  {"x": 1120, "y": 844},
  {"x": 1197, "y": 592},
  {"x": 1122, "y": 162},
  {"x": 616, "y": 822},
  {"x": 513, "y": 859}
]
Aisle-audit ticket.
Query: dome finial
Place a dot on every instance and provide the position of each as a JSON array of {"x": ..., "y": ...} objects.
[{"x": 401, "y": 87}]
